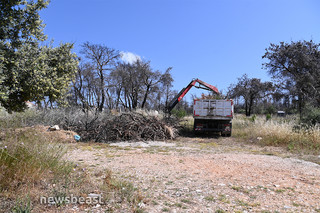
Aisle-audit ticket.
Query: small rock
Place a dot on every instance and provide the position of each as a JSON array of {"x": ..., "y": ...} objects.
[
  {"x": 199, "y": 191},
  {"x": 178, "y": 194},
  {"x": 141, "y": 205},
  {"x": 54, "y": 128},
  {"x": 165, "y": 191}
]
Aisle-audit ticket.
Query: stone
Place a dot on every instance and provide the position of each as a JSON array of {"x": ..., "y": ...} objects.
[{"x": 54, "y": 128}]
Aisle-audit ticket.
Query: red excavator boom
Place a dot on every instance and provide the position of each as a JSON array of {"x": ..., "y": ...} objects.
[{"x": 183, "y": 92}]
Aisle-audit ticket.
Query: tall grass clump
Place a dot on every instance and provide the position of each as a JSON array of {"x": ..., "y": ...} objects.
[
  {"x": 47, "y": 117},
  {"x": 28, "y": 156},
  {"x": 286, "y": 132}
]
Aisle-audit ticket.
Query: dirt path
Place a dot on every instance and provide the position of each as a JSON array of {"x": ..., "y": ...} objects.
[{"x": 206, "y": 175}]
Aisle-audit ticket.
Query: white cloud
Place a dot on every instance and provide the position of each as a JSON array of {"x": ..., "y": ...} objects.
[{"x": 129, "y": 57}]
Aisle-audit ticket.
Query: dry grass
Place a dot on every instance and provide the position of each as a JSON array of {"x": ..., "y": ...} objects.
[
  {"x": 278, "y": 132},
  {"x": 27, "y": 156},
  {"x": 32, "y": 165}
]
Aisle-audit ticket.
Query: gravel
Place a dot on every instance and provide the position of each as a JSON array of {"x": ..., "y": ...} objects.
[{"x": 219, "y": 177}]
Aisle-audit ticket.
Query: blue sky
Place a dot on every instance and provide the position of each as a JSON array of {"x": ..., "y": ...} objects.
[{"x": 216, "y": 41}]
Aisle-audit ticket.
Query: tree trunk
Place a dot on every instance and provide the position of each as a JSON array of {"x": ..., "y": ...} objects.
[
  {"x": 102, "y": 91},
  {"x": 145, "y": 97}
]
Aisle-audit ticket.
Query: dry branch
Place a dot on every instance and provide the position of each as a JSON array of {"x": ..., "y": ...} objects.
[{"x": 124, "y": 127}]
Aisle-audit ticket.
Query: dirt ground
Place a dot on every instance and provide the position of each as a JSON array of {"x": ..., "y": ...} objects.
[{"x": 208, "y": 175}]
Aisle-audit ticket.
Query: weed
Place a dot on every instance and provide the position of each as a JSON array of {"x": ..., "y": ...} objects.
[
  {"x": 280, "y": 190},
  {"x": 22, "y": 205},
  {"x": 240, "y": 189},
  {"x": 209, "y": 198},
  {"x": 155, "y": 203},
  {"x": 242, "y": 203},
  {"x": 185, "y": 201},
  {"x": 169, "y": 183},
  {"x": 290, "y": 188},
  {"x": 223, "y": 198},
  {"x": 178, "y": 205},
  {"x": 166, "y": 203},
  {"x": 165, "y": 209}
]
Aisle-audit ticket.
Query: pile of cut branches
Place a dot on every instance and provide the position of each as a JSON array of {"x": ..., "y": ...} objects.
[{"x": 124, "y": 127}]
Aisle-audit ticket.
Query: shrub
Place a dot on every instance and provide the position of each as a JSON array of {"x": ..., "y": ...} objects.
[
  {"x": 253, "y": 118},
  {"x": 180, "y": 113},
  {"x": 268, "y": 117},
  {"x": 311, "y": 116},
  {"x": 270, "y": 110}
]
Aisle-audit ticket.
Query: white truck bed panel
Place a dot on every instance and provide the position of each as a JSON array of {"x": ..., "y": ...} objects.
[{"x": 211, "y": 109}]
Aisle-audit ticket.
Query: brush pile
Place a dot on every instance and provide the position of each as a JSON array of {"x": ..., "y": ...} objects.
[{"x": 124, "y": 127}]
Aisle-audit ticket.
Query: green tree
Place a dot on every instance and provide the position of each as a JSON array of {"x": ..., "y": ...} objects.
[
  {"x": 28, "y": 71},
  {"x": 295, "y": 67}
]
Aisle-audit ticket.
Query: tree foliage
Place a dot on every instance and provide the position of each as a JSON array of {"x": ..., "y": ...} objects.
[
  {"x": 28, "y": 71},
  {"x": 20, "y": 22},
  {"x": 295, "y": 67}
]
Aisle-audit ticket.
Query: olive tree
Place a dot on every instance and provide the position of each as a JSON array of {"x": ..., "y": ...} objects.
[{"x": 28, "y": 71}]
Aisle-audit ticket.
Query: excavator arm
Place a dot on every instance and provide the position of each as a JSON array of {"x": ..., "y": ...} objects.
[{"x": 183, "y": 92}]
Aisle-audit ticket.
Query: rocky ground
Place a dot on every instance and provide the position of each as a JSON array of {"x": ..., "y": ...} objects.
[{"x": 207, "y": 175}]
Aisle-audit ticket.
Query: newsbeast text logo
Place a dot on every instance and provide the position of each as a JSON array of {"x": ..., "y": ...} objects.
[{"x": 92, "y": 199}]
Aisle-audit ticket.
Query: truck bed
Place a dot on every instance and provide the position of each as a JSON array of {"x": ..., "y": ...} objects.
[{"x": 213, "y": 109}]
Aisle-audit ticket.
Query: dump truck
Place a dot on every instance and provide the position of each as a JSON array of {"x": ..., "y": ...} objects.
[{"x": 210, "y": 115}]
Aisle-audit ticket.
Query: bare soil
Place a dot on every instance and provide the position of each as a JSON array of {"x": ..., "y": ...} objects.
[{"x": 207, "y": 175}]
